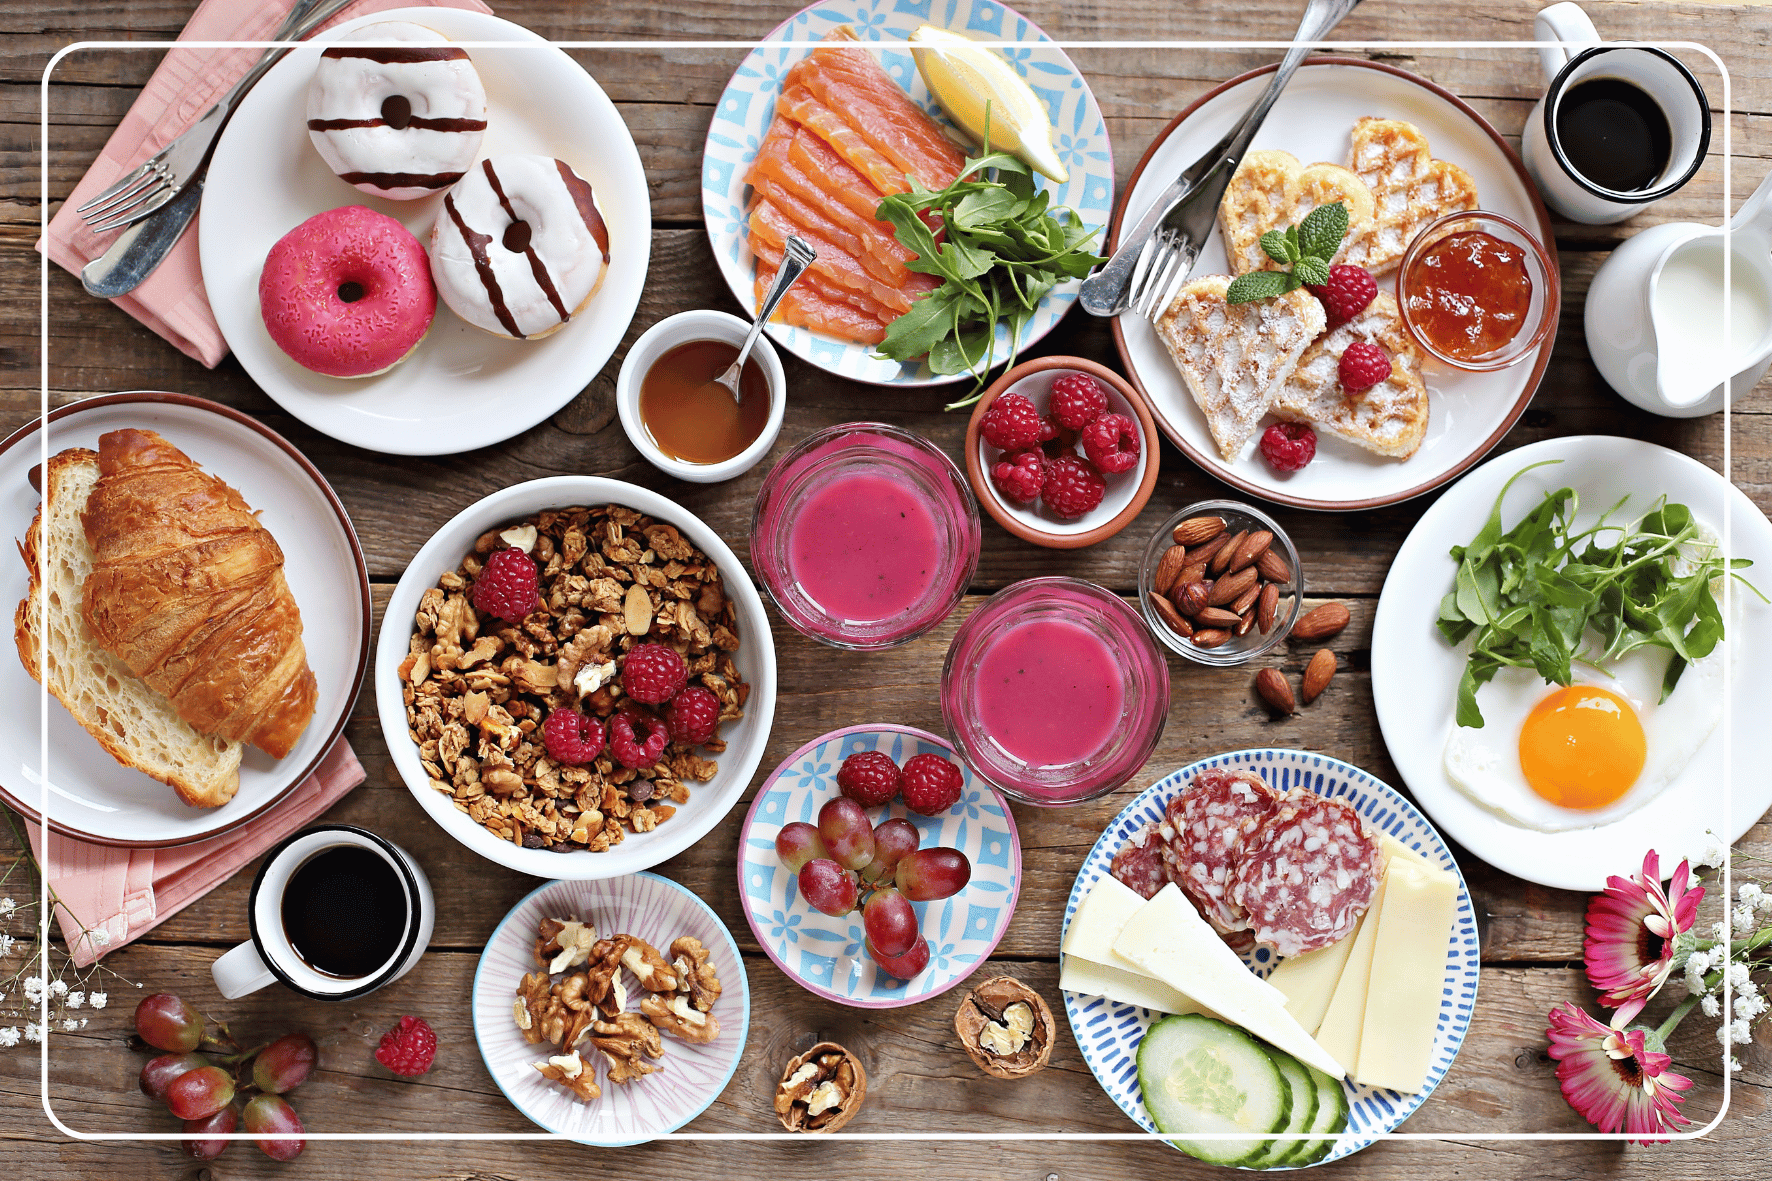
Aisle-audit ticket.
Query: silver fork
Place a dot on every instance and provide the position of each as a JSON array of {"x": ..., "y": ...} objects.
[
  {"x": 164, "y": 175},
  {"x": 1155, "y": 258}
]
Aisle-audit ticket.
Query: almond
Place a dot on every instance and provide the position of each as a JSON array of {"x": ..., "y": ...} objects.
[
  {"x": 1230, "y": 588},
  {"x": 636, "y": 610},
  {"x": 1273, "y": 567},
  {"x": 1190, "y": 597},
  {"x": 1251, "y": 548},
  {"x": 1210, "y": 637},
  {"x": 1222, "y": 559},
  {"x": 1247, "y": 599},
  {"x": 1167, "y": 568},
  {"x": 1266, "y": 605},
  {"x": 1217, "y": 617},
  {"x": 1320, "y": 623},
  {"x": 1195, "y": 530},
  {"x": 1275, "y": 693},
  {"x": 1192, "y": 572},
  {"x": 1201, "y": 554},
  {"x": 1317, "y": 675},
  {"x": 1170, "y": 616},
  {"x": 1245, "y": 623}
]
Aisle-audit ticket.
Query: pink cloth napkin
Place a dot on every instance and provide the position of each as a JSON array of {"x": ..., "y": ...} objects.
[
  {"x": 172, "y": 301},
  {"x": 127, "y": 892}
]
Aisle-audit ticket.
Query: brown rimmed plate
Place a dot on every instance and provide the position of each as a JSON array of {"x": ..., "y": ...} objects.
[
  {"x": 90, "y": 795},
  {"x": 1469, "y": 412}
]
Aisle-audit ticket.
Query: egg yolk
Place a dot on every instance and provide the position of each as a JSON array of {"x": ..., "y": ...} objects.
[{"x": 1582, "y": 747}]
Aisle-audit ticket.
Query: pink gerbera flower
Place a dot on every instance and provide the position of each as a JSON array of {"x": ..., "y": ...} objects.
[
  {"x": 1631, "y": 928},
  {"x": 1612, "y": 1079}
]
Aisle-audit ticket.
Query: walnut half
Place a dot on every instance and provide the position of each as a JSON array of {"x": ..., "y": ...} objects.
[
  {"x": 820, "y": 1090},
  {"x": 677, "y": 1017},
  {"x": 572, "y": 1072},
  {"x": 1005, "y": 1027}
]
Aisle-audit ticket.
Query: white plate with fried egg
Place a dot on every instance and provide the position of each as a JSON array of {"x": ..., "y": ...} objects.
[{"x": 1703, "y": 778}]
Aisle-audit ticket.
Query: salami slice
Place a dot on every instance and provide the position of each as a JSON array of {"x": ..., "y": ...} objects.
[
  {"x": 1139, "y": 863},
  {"x": 1306, "y": 874},
  {"x": 1212, "y": 817}
]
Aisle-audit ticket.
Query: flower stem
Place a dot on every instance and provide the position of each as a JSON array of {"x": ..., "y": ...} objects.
[{"x": 1666, "y": 1029}]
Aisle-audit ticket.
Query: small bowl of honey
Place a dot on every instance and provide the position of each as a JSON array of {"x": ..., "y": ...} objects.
[
  {"x": 1477, "y": 291},
  {"x": 684, "y": 422}
]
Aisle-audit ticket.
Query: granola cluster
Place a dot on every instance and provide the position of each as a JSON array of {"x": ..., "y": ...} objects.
[
  {"x": 478, "y": 690},
  {"x": 584, "y": 1012}
]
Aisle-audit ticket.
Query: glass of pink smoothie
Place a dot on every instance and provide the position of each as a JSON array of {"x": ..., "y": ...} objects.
[
  {"x": 1055, "y": 691},
  {"x": 865, "y": 536}
]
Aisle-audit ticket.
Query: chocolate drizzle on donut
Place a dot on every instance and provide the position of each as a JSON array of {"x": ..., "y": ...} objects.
[
  {"x": 402, "y": 180},
  {"x": 587, "y": 206},
  {"x": 520, "y": 242},
  {"x": 398, "y": 55},
  {"x": 415, "y": 122},
  {"x": 477, "y": 243}
]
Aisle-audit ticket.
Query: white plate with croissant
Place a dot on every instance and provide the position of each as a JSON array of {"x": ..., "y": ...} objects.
[
  {"x": 1409, "y": 434},
  {"x": 200, "y": 616}
]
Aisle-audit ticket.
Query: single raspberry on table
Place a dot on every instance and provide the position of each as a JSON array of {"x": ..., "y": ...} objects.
[
  {"x": 693, "y": 715},
  {"x": 1346, "y": 294},
  {"x": 626, "y": 745},
  {"x": 409, "y": 1048},
  {"x": 931, "y": 785},
  {"x": 1288, "y": 446},
  {"x": 1020, "y": 476},
  {"x": 1077, "y": 400},
  {"x": 869, "y": 777},
  {"x": 572, "y": 739},
  {"x": 1364, "y": 366},
  {"x": 1112, "y": 443},
  {"x": 508, "y": 586},
  {"x": 1012, "y": 424},
  {"x": 1073, "y": 487},
  {"x": 653, "y": 674}
]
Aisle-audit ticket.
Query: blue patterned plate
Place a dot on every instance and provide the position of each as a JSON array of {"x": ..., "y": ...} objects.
[
  {"x": 825, "y": 955},
  {"x": 747, "y": 106},
  {"x": 1109, "y": 1032}
]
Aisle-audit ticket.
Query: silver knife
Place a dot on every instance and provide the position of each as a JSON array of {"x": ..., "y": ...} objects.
[{"x": 142, "y": 247}]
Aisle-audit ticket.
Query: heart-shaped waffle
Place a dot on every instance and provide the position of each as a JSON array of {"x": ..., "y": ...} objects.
[
  {"x": 1272, "y": 190},
  {"x": 1409, "y": 189},
  {"x": 1391, "y": 417}
]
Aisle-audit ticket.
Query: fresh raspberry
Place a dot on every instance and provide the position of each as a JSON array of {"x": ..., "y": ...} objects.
[
  {"x": 1289, "y": 445},
  {"x": 653, "y": 674},
  {"x": 1346, "y": 294},
  {"x": 1077, "y": 400},
  {"x": 572, "y": 739},
  {"x": 409, "y": 1048},
  {"x": 693, "y": 715},
  {"x": 1111, "y": 443},
  {"x": 508, "y": 586},
  {"x": 1364, "y": 366},
  {"x": 1012, "y": 424},
  {"x": 626, "y": 746},
  {"x": 1020, "y": 476},
  {"x": 869, "y": 777},
  {"x": 1072, "y": 488},
  {"x": 1056, "y": 439},
  {"x": 931, "y": 785}
]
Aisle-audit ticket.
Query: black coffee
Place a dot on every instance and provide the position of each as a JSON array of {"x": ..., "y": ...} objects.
[
  {"x": 1614, "y": 134},
  {"x": 344, "y": 911}
]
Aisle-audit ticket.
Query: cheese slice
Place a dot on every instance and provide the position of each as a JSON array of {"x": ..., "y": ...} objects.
[
  {"x": 1408, "y": 977},
  {"x": 1168, "y": 938},
  {"x": 1339, "y": 1031},
  {"x": 1126, "y": 985},
  {"x": 1100, "y": 918},
  {"x": 1308, "y": 981},
  {"x": 1392, "y": 849}
]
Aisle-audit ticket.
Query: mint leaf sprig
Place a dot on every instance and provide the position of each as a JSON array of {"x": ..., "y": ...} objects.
[{"x": 1306, "y": 247}]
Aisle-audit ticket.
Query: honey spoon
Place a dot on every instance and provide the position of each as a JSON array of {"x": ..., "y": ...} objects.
[{"x": 796, "y": 259}]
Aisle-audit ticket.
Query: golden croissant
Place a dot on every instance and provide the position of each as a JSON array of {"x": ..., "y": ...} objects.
[{"x": 187, "y": 589}]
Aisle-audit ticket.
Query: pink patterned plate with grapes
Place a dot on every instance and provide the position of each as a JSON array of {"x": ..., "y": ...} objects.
[{"x": 829, "y": 955}]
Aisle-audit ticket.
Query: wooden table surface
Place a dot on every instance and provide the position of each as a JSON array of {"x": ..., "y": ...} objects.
[{"x": 1502, "y": 1080}]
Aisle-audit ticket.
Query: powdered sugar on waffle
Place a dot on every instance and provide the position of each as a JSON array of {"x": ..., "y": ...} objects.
[{"x": 1391, "y": 417}]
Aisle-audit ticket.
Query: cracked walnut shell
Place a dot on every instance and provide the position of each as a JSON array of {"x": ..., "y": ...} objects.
[
  {"x": 1005, "y": 1027},
  {"x": 820, "y": 1090}
]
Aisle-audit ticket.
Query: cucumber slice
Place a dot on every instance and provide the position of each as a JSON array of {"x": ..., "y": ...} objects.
[
  {"x": 1304, "y": 1110},
  {"x": 1200, "y": 1074},
  {"x": 1331, "y": 1117}
]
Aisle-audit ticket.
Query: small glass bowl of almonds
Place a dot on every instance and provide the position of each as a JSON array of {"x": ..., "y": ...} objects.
[{"x": 1221, "y": 583}]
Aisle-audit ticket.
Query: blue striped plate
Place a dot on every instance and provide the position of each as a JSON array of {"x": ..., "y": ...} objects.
[{"x": 1109, "y": 1032}]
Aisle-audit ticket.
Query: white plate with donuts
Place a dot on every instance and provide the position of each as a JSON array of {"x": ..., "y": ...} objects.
[{"x": 464, "y": 385}]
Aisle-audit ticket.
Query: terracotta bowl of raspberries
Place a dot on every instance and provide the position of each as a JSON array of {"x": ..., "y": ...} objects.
[
  {"x": 1062, "y": 452},
  {"x": 575, "y": 678}
]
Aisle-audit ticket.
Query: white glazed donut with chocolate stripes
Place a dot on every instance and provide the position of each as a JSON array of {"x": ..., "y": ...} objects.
[
  {"x": 519, "y": 246},
  {"x": 401, "y": 118}
]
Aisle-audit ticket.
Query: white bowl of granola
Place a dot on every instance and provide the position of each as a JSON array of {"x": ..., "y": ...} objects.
[{"x": 463, "y": 695}]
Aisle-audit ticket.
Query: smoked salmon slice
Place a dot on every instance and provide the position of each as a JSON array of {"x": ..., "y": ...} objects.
[
  {"x": 771, "y": 224},
  {"x": 851, "y": 82},
  {"x": 808, "y": 205},
  {"x": 769, "y": 258},
  {"x": 812, "y": 156},
  {"x": 799, "y": 104},
  {"x": 804, "y": 308}
]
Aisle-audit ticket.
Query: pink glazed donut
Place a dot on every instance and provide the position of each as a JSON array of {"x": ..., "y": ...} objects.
[{"x": 347, "y": 293}]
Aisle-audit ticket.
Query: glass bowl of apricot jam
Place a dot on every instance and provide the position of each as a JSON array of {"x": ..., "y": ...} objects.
[{"x": 1478, "y": 291}]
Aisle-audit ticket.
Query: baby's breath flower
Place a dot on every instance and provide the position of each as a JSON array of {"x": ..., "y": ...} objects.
[
  {"x": 1743, "y": 919},
  {"x": 101, "y": 938},
  {"x": 1711, "y": 1005},
  {"x": 76, "y": 999},
  {"x": 1763, "y": 902},
  {"x": 33, "y": 989},
  {"x": 1734, "y": 1064},
  {"x": 1748, "y": 891},
  {"x": 98, "y": 1000},
  {"x": 1699, "y": 962},
  {"x": 1749, "y": 1005},
  {"x": 59, "y": 987},
  {"x": 9, "y": 1036},
  {"x": 33, "y": 1032},
  {"x": 7, "y": 906},
  {"x": 1719, "y": 931},
  {"x": 6, "y": 942},
  {"x": 70, "y": 1024},
  {"x": 1740, "y": 1031},
  {"x": 1738, "y": 976},
  {"x": 1714, "y": 854}
]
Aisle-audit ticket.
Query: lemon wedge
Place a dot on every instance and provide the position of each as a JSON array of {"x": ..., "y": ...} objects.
[{"x": 965, "y": 78}]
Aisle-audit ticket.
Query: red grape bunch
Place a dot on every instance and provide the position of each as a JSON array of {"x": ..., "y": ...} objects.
[
  {"x": 201, "y": 1080},
  {"x": 847, "y": 860}
]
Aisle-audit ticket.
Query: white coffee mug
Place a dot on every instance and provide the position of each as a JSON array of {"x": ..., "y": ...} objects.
[
  {"x": 1579, "y": 56},
  {"x": 269, "y": 956}
]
